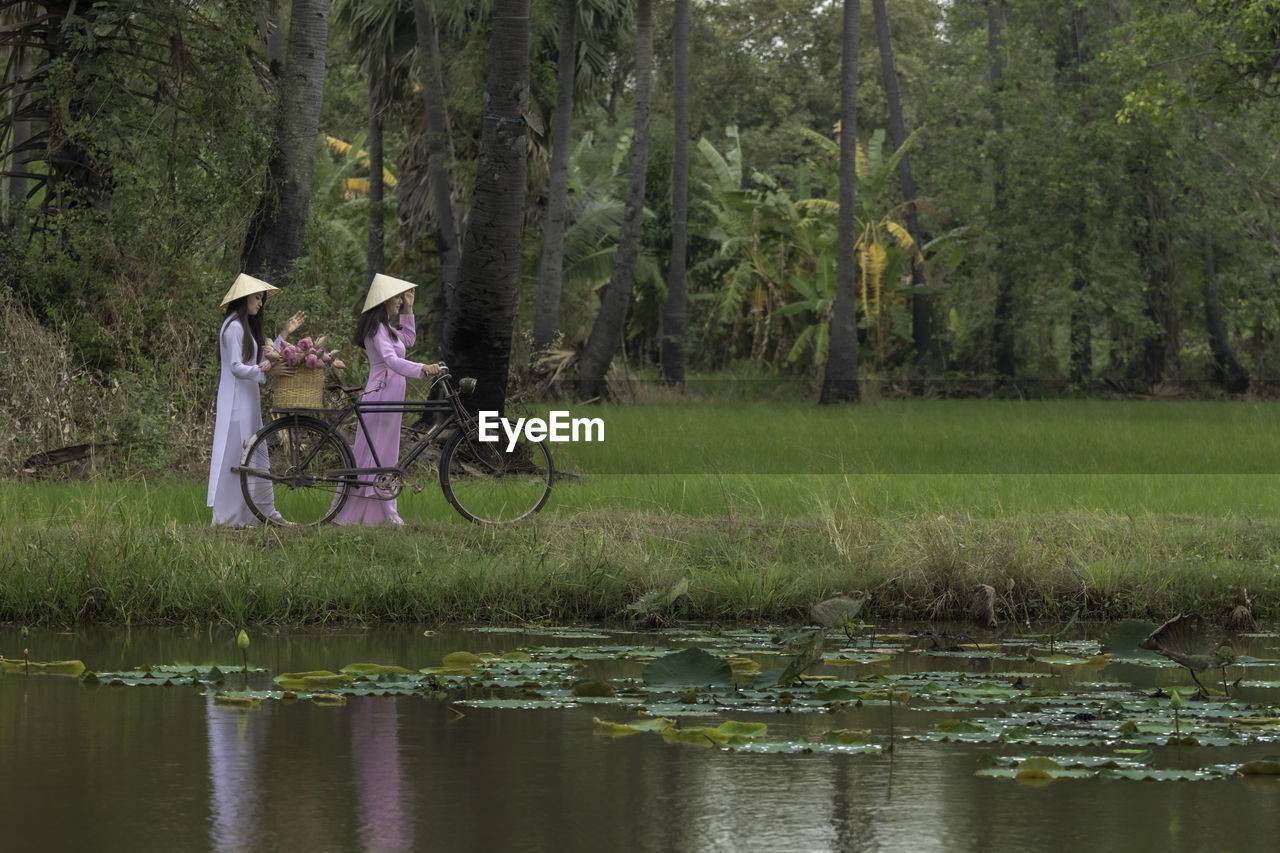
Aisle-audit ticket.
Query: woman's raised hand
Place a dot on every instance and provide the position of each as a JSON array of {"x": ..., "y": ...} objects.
[{"x": 293, "y": 324}]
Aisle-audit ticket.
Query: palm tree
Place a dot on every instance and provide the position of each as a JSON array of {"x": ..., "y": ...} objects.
[
  {"x": 607, "y": 331},
  {"x": 840, "y": 381},
  {"x": 480, "y": 319},
  {"x": 438, "y": 147},
  {"x": 275, "y": 235},
  {"x": 675, "y": 317},
  {"x": 921, "y": 311},
  {"x": 547, "y": 318},
  {"x": 1002, "y": 335},
  {"x": 381, "y": 36}
]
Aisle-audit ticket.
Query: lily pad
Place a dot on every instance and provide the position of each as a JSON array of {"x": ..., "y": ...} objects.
[
  {"x": 689, "y": 667},
  {"x": 46, "y": 667}
]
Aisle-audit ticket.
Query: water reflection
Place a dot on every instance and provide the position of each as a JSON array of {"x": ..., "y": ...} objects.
[
  {"x": 163, "y": 769},
  {"x": 383, "y": 797},
  {"x": 237, "y": 745}
]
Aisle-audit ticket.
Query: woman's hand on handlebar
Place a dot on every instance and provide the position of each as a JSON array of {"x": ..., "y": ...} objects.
[{"x": 435, "y": 369}]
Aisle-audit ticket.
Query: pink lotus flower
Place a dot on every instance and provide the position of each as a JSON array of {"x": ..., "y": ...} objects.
[{"x": 306, "y": 353}]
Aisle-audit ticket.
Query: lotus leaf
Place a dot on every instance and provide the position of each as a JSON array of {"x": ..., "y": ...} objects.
[
  {"x": 311, "y": 680},
  {"x": 689, "y": 667},
  {"x": 644, "y": 724},
  {"x": 233, "y": 700},
  {"x": 367, "y": 669},
  {"x": 1267, "y": 766},
  {"x": 48, "y": 667},
  {"x": 847, "y": 736},
  {"x": 462, "y": 660},
  {"x": 592, "y": 689}
]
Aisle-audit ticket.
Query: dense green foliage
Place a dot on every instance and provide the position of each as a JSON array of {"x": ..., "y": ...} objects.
[{"x": 1095, "y": 168}]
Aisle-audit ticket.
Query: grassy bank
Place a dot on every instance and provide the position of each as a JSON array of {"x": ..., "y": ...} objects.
[
  {"x": 1113, "y": 509},
  {"x": 113, "y": 559}
]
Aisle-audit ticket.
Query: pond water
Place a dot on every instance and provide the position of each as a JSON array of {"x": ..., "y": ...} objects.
[{"x": 512, "y": 754}]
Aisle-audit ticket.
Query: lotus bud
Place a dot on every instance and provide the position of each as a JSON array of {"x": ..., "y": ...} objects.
[{"x": 242, "y": 639}]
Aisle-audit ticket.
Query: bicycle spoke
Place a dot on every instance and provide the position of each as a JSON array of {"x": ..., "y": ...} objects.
[
  {"x": 290, "y": 475},
  {"x": 490, "y": 484}
]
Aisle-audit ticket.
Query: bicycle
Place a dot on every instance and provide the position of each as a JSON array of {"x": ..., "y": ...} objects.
[{"x": 303, "y": 463}]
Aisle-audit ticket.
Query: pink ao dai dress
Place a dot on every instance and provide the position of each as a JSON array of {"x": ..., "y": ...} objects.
[
  {"x": 389, "y": 371},
  {"x": 239, "y": 416}
]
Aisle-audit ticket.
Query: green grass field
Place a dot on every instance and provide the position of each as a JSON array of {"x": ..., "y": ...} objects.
[{"x": 1109, "y": 508}]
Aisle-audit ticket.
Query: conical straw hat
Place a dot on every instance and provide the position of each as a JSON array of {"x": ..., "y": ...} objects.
[
  {"x": 383, "y": 287},
  {"x": 245, "y": 285}
]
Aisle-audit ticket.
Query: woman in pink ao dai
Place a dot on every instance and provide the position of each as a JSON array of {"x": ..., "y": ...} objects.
[{"x": 377, "y": 443}]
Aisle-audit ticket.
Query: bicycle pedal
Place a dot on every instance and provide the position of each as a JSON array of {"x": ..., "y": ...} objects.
[{"x": 417, "y": 489}]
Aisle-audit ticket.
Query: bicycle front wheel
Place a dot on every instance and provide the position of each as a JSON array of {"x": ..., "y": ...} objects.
[
  {"x": 289, "y": 472},
  {"x": 491, "y": 484}
]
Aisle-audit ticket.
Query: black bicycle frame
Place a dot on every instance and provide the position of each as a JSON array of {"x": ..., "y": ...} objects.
[{"x": 448, "y": 406}]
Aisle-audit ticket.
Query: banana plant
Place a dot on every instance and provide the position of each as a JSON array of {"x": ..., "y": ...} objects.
[
  {"x": 883, "y": 244},
  {"x": 780, "y": 251}
]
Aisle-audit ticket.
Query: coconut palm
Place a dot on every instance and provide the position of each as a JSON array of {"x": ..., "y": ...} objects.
[
  {"x": 481, "y": 316},
  {"x": 606, "y": 333},
  {"x": 382, "y": 36},
  {"x": 921, "y": 311},
  {"x": 840, "y": 382},
  {"x": 675, "y": 315},
  {"x": 547, "y": 318},
  {"x": 275, "y": 233},
  {"x": 439, "y": 151}
]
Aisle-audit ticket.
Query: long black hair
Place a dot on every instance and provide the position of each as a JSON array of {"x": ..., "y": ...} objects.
[
  {"x": 252, "y": 325},
  {"x": 368, "y": 324}
]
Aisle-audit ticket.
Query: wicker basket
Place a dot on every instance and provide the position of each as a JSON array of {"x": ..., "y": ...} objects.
[{"x": 303, "y": 390}]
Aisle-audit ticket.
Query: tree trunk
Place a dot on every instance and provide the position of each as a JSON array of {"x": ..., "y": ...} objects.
[
  {"x": 1070, "y": 62},
  {"x": 79, "y": 176},
  {"x": 840, "y": 381},
  {"x": 477, "y": 339},
  {"x": 15, "y": 213},
  {"x": 546, "y": 321},
  {"x": 1227, "y": 371},
  {"x": 606, "y": 333},
  {"x": 438, "y": 156},
  {"x": 374, "y": 259},
  {"x": 921, "y": 308},
  {"x": 675, "y": 318},
  {"x": 279, "y": 224},
  {"x": 1002, "y": 337},
  {"x": 1159, "y": 360}
]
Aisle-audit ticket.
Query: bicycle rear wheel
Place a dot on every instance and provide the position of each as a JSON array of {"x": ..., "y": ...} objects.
[
  {"x": 490, "y": 484},
  {"x": 288, "y": 472}
]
